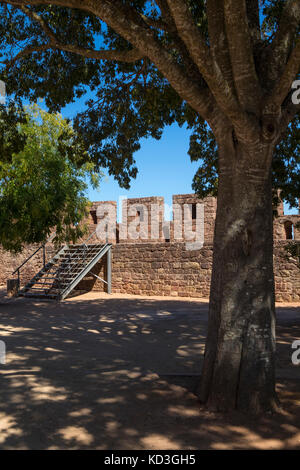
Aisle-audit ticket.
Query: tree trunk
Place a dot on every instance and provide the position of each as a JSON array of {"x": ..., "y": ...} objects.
[{"x": 239, "y": 364}]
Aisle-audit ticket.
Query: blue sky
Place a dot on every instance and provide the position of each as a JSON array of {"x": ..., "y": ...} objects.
[{"x": 164, "y": 167}]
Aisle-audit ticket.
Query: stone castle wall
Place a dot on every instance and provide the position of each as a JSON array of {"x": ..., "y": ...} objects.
[
  {"x": 163, "y": 265},
  {"x": 170, "y": 269}
]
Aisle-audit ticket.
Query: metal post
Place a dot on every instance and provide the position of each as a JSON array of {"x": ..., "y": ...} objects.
[
  {"x": 44, "y": 256},
  {"x": 109, "y": 271}
]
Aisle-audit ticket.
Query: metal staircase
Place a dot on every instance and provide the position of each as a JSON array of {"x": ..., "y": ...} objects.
[{"x": 65, "y": 270}]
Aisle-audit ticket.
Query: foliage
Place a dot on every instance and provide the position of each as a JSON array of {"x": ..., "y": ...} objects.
[
  {"x": 285, "y": 169},
  {"x": 11, "y": 139},
  {"x": 127, "y": 101},
  {"x": 286, "y": 164},
  {"x": 43, "y": 186}
]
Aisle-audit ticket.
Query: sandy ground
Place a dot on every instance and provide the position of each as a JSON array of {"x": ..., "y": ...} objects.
[{"x": 118, "y": 372}]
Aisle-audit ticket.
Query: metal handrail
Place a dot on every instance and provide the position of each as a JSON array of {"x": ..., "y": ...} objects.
[
  {"x": 43, "y": 246},
  {"x": 31, "y": 256},
  {"x": 69, "y": 271},
  {"x": 72, "y": 255},
  {"x": 85, "y": 270},
  {"x": 17, "y": 270},
  {"x": 89, "y": 237}
]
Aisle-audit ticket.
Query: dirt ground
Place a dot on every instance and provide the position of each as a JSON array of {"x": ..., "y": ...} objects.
[{"x": 118, "y": 372}]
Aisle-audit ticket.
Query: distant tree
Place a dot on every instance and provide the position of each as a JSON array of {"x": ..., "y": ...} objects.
[
  {"x": 43, "y": 185},
  {"x": 12, "y": 140},
  {"x": 228, "y": 63}
]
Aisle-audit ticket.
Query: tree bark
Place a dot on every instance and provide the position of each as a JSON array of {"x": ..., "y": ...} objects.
[{"x": 239, "y": 364}]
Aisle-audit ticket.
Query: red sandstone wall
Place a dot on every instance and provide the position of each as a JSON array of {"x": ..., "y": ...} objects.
[
  {"x": 158, "y": 268},
  {"x": 141, "y": 212},
  {"x": 210, "y": 208},
  {"x": 166, "y": 269},
  {"x": 287, "y": 275},
  {"x": 132, "y": 205},
  {"x": 103, "y": 216},
  {"x": 9, "y": 262},
  {"x": 279, "y": 230},
  {"x": 169, "y": 269}
]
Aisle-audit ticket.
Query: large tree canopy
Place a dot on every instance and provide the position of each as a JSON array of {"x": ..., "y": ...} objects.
[
  {"x": 226, "y": 68},
  {"x": 51, "y": 52}
]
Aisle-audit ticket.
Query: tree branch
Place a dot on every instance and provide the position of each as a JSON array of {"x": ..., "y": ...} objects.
[
  {"x": 241, "y": 52},
  {"x": 54, "y": 43},
  {"x": 155, "y": 23},
  {"x": 38, "y": 19},
  {"x": 284, "y": 85},
  {"x": 218, "y": 39},
  {"x": 25, "y": 52},
  {"x": 176, "y": 42},
  {"x": 127, "y": 22},
  {"x": 252, "y": 7},
  {"x": 192, "y": 37},
  {"x": 166, "y": 14},
  {"x": 200, "y": 53},
  {"x": 289, "y": 111},
  {"x": 283, "y": 41},
  {"x": 121, "y": 56}
]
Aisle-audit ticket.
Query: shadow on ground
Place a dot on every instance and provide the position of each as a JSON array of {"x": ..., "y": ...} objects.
[{"x": 120, "y": 374}]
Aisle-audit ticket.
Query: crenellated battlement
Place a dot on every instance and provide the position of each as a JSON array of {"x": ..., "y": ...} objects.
[{"x": 150, "y": 220}]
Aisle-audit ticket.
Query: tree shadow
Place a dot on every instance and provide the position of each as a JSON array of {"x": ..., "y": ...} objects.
[{"x": 120, "y": 374}]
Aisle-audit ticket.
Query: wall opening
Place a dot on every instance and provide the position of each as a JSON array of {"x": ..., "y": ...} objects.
[
  {"x": 289, "y": 230},
  {"x": 194, "y": 211},
  {"x": 94, "y": 216},
  {"x": 140, "y": 214}
]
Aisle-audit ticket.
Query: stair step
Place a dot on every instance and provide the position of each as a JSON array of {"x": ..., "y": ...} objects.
[
  {"x": 43, "y": 290},
  {"x": 63, "y": 273},
  {"x": 57, "y": 277},
  {"x": 92, "y": 245},
  {"x": 77, "y": 258},
  {"x": 78, "y": 253},
  {"x": 72, "y": 256},
  {"x": 49, "y": 283},
  {"x": 44, "y": 283}
]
